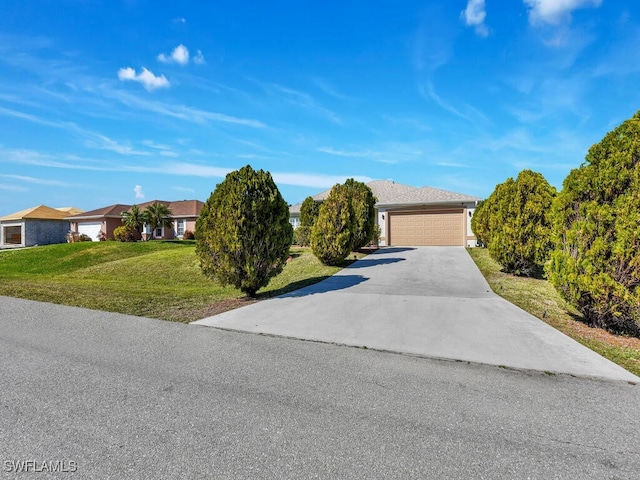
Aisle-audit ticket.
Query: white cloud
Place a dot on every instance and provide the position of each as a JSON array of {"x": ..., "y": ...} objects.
[
  {"x": 199, "y": 58},
  {"x": 37, "y": 181},
  {"x": 555, "y": 12},
  {"x": 138, "y": 190},
  {"x": 179, "y": 55},
  {"x": 148, "y": 80},
  {"x": 13, "y": 188},
  {"x": 474, "y": 15},
  {"x": 182, "y": 112}
]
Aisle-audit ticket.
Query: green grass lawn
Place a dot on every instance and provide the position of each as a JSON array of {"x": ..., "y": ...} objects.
[
  {"x": 540, "y": 298},
  {"x": 155, "y": 279}
]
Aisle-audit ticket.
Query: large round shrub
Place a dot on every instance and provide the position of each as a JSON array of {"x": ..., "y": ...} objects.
[
  {"x": 595, "y": 263},
  {"x": 244, "y": 234},
  {"x": 520, "y": 227},
  {"x": 514, "y": 222}
]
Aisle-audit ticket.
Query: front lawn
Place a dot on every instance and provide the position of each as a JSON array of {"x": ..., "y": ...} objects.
[
  {"x": 540, "y": 298},
  {"x": 155, "y": 279}
]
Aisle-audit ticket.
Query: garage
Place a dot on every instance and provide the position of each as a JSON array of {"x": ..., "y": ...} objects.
[
  {"x": 91, "y": 229},
  {"x": 427, "y": 228}
]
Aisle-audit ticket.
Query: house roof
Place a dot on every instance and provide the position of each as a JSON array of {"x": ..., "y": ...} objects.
[
  {"x": 426, "y": 196},
  {"x": 180, "y": 209},
  {"x": 383, "y": 190},
  {"x": 41, "y": 212},
  {"x": 112, "y": 211}
]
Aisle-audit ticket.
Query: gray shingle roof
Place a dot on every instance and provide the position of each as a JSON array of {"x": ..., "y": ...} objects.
[
  {"x": 390, "y": 194},
  {"x": 383, "y": 190},
  {"x": 429, "y": 195}
]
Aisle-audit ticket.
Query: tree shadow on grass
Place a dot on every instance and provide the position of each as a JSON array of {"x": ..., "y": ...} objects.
[{"x": 319, "y": 284}]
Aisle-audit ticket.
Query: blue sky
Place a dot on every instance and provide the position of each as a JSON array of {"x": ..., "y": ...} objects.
[{"x": 115, "y": 101}]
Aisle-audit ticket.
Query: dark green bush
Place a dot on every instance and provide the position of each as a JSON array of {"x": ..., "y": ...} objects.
[
  {"x": 514, "y": 223},
  {"x": 520, "y": 227},
  {"x": 244, "y": 234},
  {"x": 595, "y": 263},
  {"x": 302, "y": 236},
  {"x": 331, "y": 238},
  {"x": 84, "y": 238},
  {"x": 363, "y": 215},
  {"x": 309, "y": 211}
]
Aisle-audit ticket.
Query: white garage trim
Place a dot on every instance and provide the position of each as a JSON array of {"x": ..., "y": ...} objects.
[{"x": 91, "y": 229}]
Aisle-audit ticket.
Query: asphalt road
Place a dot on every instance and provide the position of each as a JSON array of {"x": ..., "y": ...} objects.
[{"x": 112, "y": 396}]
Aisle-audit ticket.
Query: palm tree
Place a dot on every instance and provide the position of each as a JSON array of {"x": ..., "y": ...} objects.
[
  {"x": 158, "y": 215},
  {"x": 134, "y": 219}
]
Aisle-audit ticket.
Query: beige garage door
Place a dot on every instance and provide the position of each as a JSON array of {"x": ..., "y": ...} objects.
[{"x": 427, "y": 228}]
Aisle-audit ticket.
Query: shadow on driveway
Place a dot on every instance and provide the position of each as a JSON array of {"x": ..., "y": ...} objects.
[
  {"x": 331, "y": 284},
  {"x": 372, "y": 261},
  {"x": 395, "y": 249}
]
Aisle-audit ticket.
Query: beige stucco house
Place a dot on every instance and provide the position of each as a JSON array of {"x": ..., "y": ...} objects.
[{"x": 410, "y": 216}]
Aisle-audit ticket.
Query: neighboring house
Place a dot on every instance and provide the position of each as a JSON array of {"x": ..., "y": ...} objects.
[
  {"x": 410, "y": 216},
  {"x": 39, "y": 225},
  {"x": 103, "y": 221},
  {"x": 184, "y": 214},
  {"x": 99, "y": 222}
]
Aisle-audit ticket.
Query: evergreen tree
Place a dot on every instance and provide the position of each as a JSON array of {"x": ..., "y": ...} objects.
[
  {"x": 363, "y": 213},
  {"x": 309, "y": 211},
  {"x": 244, "y": 234},
  {"x": 519, "y": 223},
  {"x": 595, "y": 263},
  {"x": 331, "y": 236}
]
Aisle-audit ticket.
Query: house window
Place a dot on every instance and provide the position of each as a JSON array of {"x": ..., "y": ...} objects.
[
  {"x": 12, "y": 235},
  {"x": 180, "y": 227},
  {"x": 158, "y": 233},
  {"x": 295, "y": 222}
]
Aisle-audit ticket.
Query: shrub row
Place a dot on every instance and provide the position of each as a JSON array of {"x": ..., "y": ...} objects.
[{"x": 588, "y": 234}]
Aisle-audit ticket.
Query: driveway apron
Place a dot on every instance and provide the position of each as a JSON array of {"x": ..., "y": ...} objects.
[{"x": 426, "y": 301}]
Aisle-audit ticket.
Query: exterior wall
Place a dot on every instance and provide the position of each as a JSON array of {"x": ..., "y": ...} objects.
[
  {"x": 294, "y": 220},
  {"x": 3, "y": 240},
  {"x": 109, "y": 225},
  {"x": 190, "y": 225},
  {"x": 381, "y": 221},
  {"x": 471, "y": 238},
  {"x": 45, "y": 232}
]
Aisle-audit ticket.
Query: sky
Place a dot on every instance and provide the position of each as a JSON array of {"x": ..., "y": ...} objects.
[{"x": 127, "y": 101}]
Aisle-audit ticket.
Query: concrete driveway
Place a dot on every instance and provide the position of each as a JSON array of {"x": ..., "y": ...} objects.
[{"x": 426, "y": 301}]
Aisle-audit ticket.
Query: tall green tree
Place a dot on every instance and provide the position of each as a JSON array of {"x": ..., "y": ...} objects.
[
  {"x": 134, "y": 219},
  {"x": 244, "y": 234},
  {"x": 309, "y": 211},
  {"x": 362, "y": 211},
  {"x": 158, "y": 215},
  {"x": 520, "y": 223},
  {"x": 480, "y": 222},
  {"x": 595, "y": 263},
  {"x": 331, "y": 236}
]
